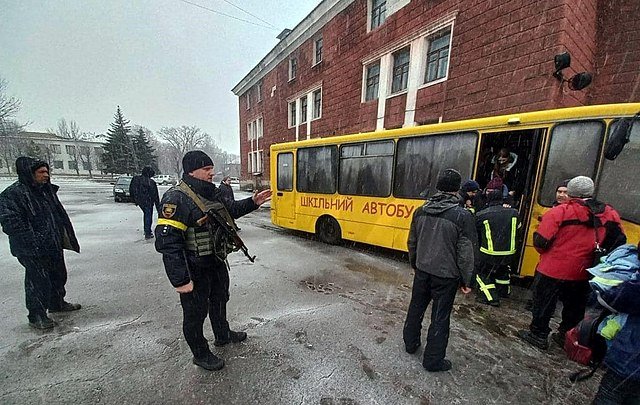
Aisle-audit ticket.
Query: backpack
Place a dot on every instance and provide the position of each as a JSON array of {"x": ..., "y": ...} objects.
[{"x": 583, "y": 344}]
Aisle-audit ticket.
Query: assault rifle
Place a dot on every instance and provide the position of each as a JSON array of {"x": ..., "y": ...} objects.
[{"x": 231, "y": 232}]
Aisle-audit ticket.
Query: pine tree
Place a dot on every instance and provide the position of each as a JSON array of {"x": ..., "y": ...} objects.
[
  {"x": 119, "y": 156},
  {"x": 144, "y": 151}
]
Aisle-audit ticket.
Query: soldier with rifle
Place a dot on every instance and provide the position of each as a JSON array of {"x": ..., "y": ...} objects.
[{"x": 194, "y": 235}]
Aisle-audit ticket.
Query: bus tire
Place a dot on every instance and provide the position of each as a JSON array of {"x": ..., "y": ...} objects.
[{"x": 328, "y": 230}]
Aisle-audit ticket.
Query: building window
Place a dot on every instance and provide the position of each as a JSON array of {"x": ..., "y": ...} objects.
[
  {"x": 292, "y": 114},
  {"x": 373, "y": 79},
  {"x": 317, "y": 54},
  {"x": 400, "y": 70},
  {"x": 259, "y": 128},
  {"x": 55, "y": 149},
  {"x": 378, "y": 13},
  {"x": 259, "y": 91},
  {"x": 293, "y": 68},
  {"x": 250, "y": 131},
  {"x": 438, "y": 56},
  {"x": 248, "y": 99},
  {"x": 86, "y": 165},
  {"x": 317, "y": 104},
  {"x": 58, "y": 164},
  {"x": 73, "y": 165},
  {"x": 303, "y": 109},
  {"x": 71, "y": 150}
]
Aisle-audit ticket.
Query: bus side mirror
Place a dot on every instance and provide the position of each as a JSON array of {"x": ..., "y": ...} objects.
[{"x": 618, "y": 138}]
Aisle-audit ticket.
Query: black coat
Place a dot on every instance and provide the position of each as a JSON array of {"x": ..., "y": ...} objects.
[
  {"x": 33, "y": 217},
  {"x": 226, "y": 191},
  {"x": 144, "y": 191},
  {"x": 179, "y": 212}
]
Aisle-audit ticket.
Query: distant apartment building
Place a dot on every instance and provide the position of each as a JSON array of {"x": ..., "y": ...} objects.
[
  {"x": 64, "y": 156},
  {"x": 365, "y": 65}
]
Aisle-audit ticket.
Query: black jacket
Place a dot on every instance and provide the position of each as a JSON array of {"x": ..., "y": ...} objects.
[
  {"x": 177, "y": 213},
  {"x": 226, "y": 190},
  {"x": 33, "y": 217},
  {"x": 144, "y": 191},
  {"x": 442, "y": 239},
  {"x": 496, "y": 226}
]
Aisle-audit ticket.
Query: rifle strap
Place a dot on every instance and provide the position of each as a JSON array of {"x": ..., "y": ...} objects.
[{"x": 204, "y": 207}]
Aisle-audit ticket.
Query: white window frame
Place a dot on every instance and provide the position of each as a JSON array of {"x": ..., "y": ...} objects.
[
  {"x": 248, "y": 99},
  {"x": 293, "y": 68},
  {"x": 304, "y": 106},
  {"x": 391, "y": 76},
  {"x": 313, "y": 104},
  {"x": 315, "y": 50},
  {"x": 259, "y": 90},
  {"x": 292, "y": 115},
  {"x": 370, "y": 26},
  {"x": 365, "y": 71},
  {"x": 428, "y": 40}
]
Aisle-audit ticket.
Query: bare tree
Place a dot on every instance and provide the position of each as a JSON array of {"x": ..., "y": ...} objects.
[
  {"x": 9, "y": 106},
  {"x": 71, "y": 131},
  {"x": 11, "y": 144}
]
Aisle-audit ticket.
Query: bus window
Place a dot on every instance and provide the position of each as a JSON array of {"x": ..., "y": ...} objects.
[
  {"x": 285, "y": 172},
  {"x": 365, "y": 168},
  {"x": 573, "y": 151},
  {"x": 618, "y": 183},
  {"x": 317, "y": 169},
  {"x": 420, "y": 160}
]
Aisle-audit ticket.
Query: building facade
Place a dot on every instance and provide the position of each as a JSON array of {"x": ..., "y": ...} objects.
[
  {"x": 64, "y": 156},
  {"x": 364, "y": 65}
]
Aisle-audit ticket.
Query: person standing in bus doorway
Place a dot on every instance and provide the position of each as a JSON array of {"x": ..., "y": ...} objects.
[
  {"x": 442, "y": 261},
  {"x": 144, "y": 193},
  {"x": 496, "y": 225},
  {"x": 565, "y": 239},
  {"x": 561, "y": 193},
  {"x": 468, "y": 193}
]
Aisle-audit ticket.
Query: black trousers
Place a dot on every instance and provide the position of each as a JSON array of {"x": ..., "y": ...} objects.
[
  {"x": 547, "y": 291},
  {"x": 209, "y": 296},
  {"x": 442, "y": 291},
  {"x": 493, "y": 281},
  {"x": 44, "y": 281}
]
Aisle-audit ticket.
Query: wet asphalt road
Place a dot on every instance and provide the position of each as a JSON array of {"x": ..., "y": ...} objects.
[{"x": 324, "y": 325}]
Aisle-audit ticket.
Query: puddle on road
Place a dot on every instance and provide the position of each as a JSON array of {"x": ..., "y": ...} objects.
[{"x": 386, "y": 275}]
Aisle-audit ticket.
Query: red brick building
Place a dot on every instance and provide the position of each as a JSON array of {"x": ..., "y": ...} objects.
[{"x": 362, "y": 65}]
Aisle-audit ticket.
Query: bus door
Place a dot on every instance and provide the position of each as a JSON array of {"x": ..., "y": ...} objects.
[
  {"x": 524, "y": 148},
  {"x": 284, "y": 197}
]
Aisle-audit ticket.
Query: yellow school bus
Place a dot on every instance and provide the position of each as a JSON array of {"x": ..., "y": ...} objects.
[{"x": 365, "y": 187}]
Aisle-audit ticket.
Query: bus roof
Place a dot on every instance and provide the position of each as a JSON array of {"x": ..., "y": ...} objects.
[{"x": 512, "y": 121}]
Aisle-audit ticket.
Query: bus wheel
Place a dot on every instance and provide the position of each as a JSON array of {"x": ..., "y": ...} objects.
[{"x": 328, "y": 230}]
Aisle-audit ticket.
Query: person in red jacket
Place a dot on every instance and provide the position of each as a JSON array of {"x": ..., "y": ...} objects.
[{"x": 566, "y": 240}]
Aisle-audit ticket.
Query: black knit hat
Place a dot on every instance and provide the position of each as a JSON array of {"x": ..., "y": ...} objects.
[
  {"x": 449, "y": 180},
  {"x": 194, "y": 160}
]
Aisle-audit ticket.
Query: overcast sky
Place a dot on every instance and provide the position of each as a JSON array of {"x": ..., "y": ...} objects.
[{"x": 165, "y": 62}]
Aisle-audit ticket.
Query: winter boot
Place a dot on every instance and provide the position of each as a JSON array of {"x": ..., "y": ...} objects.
[
  {"x": 209, "y": 362},
  {"x": 444, "y": 365},
  {"x": 538, "y": 341},
  {"x": 42, "y": 322},
  {"x": 232, "y": 337},
  {"x": 66, "y": 307}
]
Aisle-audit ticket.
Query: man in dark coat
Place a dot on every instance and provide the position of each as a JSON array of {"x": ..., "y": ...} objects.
[
  {"x": 227, "y": 192},
  {"x": 442, "y": 242},
  {"x": 194, "y": 253},
  {"x": 144, "y": 192},
  {"x": 39, "y": 229}
]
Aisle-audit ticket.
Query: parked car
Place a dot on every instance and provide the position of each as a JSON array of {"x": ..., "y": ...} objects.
[
  {"x": 121, "y": 189},
  {"x": 234, "y": 180},
  {"x": 164, "y": 179}
]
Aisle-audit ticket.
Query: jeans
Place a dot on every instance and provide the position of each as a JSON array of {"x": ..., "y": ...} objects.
[
  {"x": 147, "y": 219},
  {"x": 442, "y": 291},
  {"x": 572, "y": 293},
  {"x": 44, "y": 281},
  {"x": 617, "y": 390}
]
